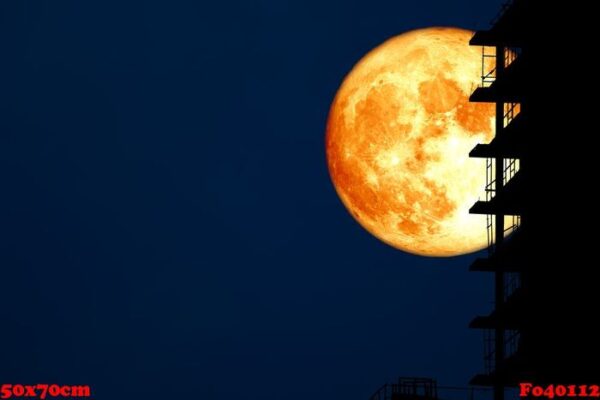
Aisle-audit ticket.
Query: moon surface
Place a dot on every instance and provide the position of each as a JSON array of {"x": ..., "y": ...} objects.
[{"x": 398, "y": 137}]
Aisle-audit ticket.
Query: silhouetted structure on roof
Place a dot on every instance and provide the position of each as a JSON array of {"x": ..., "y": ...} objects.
[{"x": 408, "y": 389}]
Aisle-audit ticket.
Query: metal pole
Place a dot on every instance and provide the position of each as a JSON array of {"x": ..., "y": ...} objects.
[{"x": 499, "y": 284}]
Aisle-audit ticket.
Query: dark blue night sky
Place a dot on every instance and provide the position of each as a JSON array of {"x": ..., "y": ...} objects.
[{"x": 168, "y": 226}]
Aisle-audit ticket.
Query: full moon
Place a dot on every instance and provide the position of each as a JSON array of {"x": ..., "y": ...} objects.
[{"x": 398, "y": 138}]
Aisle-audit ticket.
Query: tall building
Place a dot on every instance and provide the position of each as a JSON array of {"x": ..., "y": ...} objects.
[
  {"x": 539, "y": 201},
  {"x": 504, "y": 70},
  {"x": 538, "y": 330}
]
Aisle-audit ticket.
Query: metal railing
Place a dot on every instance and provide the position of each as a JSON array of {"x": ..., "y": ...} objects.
[
  {"x": 427, "y": 389},
  {"x": 510, "y": 55},
  {"x": 511, "y": 167},
  {"x": 407, "y": 388},
  {"x": 489, "y": 63},
  {"x": 511, "y": 110},
  {"x": 490, "y": 192},
  {"x": 488, "y": 66},
  {"x": 512, "y": 338},
  {"x": 511, "y": 346},
  {"x": 489, "y": 351},
  {"x": 512, "y": 281},
  {"x": 511, "y": 223}
]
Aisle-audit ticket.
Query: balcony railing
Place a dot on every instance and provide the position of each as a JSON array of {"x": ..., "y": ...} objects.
[
  {"x": 511, "y": 110},
  {"x": 488, "y": 62},
  {"x": 511, "y": 346},
  {"x": 511, "y": 222}
]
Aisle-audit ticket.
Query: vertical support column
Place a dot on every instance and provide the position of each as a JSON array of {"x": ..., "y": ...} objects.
[{"x": 499, "y": 233}]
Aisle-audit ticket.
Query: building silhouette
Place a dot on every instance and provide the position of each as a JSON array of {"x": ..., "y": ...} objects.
[
  {"x": 538, "y": 330},
  {"x": 504, "y": 70},
  {"x": 546, "y": 300}
]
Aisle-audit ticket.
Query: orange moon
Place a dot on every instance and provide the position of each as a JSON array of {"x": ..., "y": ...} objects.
[{"x": 398, "y": 138}]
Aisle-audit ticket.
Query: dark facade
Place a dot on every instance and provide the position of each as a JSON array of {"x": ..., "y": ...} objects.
[
  {"x": 539, "y": 200},
  {"x": 539, "y": 329},
  {"x": 504, "y": 70}
]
